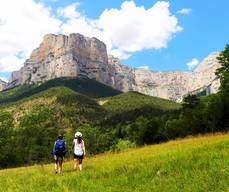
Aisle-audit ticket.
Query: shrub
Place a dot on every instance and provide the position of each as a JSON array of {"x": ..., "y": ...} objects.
[{"x": 123, "y": 145}]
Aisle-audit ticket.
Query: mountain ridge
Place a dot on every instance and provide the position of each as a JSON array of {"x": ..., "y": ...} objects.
[{"x": 74, "y": 55}]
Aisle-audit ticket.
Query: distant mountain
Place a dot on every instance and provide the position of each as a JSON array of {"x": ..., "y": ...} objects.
[{"x": 74, "y": 55}]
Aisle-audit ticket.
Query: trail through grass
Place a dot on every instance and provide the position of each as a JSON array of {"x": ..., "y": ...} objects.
[{"x": 192, "y": 164}]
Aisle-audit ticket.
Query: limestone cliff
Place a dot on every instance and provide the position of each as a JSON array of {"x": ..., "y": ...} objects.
[
  {"x": 3, "y": 85},
  {"x": 60, "y": 55},
  {"x": 171, "y": 85},
  {"x": 175, "y": 84},
  {"x": 73, "y": 55}
]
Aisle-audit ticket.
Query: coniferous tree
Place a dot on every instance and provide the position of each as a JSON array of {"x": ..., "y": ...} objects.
[
  {"x": 223, "y": 75},
  {"x": 223, "y": 72}
]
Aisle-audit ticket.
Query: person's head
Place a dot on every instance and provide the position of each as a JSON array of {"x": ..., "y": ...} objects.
[
  {"x": 60, "y": 136},
  {"x": 78, "y": 135}
]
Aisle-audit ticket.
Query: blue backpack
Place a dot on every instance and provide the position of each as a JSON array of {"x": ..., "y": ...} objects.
[{"x": 60, "y": 148}]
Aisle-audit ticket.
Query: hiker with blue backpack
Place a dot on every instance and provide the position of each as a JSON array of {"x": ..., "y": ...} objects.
[
  {"x": 59, "y": 151},
  {"x": 79, "y": 152}
]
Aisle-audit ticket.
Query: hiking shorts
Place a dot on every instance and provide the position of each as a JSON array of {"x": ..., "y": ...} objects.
[
  {"x": 78, "y": 156},
  {"x": 58, "y": 157}
]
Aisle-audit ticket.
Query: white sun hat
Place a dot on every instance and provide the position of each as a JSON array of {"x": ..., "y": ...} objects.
[{"x": 78, "y": 134}]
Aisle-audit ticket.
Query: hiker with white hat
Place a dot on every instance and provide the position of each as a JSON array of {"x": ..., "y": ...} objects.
[{"x": 78, "y": 150}]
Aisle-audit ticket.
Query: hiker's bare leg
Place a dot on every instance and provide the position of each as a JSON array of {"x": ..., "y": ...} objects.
[
  {"x": 55, "y": 166},
  {"x": 75, "y": 164},
  {"x": 60, "y": 166},
  {"x": 80, "y": 164}
]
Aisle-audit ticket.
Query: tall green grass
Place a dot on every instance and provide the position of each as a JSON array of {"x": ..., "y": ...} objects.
[{"x": 192, "y": 164}]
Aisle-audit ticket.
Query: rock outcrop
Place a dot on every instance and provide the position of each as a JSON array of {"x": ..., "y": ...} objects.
[
  {"x": 60, "y": 55},
  {"x": 73, "y": 55},
  {"x": 3, "y": 85},
  {"x": 174, "y": 85}
]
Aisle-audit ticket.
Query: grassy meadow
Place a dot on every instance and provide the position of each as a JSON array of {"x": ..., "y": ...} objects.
[{"x": 192, "y": 164}]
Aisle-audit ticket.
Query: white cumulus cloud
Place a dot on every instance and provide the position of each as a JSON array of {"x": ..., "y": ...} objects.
[
  {"x": 120, "y": 54},
  {"x": 129, "y": 29},
  {"x": 10, "y": 63},
  {"x": 184, "y": 11},
  {"x": 192, "y": 64},
  {"x": 125, "y": 30},
  {"x": 23, "y": 24},
  {"x": 134, "y": 28},
  {"x": 4, "y": 79},
  {"x": 69, "y": 11},
  {"x": 145, "y": 67}
]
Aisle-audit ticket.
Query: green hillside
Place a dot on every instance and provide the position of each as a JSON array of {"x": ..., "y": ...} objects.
[
  {"x": 59, "y": 100},
  {"x": 133, "y": 100},
  {"x": 190, "y": 165},
  {"x": 30, "y": 125},
  {"x": 82, "y": 85},
  {"x": 126, "y": 107}
]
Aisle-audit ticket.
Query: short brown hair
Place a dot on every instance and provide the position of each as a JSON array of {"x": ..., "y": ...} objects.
[{"x": 60, "y": 136}]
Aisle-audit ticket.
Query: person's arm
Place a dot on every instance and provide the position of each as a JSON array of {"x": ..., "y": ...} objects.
[
  {"x": 73, "y": 144},
  {"x": 53, "y": 150},
  {"x": 66, "y": 146},
  {"x": 84, "y": 151}
]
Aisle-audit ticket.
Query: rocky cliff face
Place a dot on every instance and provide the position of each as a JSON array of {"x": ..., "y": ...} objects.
[
  {"x": 73, "y": 55},
  {"x": 174, "y": 85},
  {"x": 3, "y": 85},
  {"x": 60, "y": 55},
  {"x": 171, "y": 85}
]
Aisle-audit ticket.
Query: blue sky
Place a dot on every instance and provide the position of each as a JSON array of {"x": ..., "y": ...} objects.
[{"x": 192, "y": 29}]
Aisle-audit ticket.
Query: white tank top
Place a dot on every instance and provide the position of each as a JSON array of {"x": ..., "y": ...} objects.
[{"x": 78, "y": 148}]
